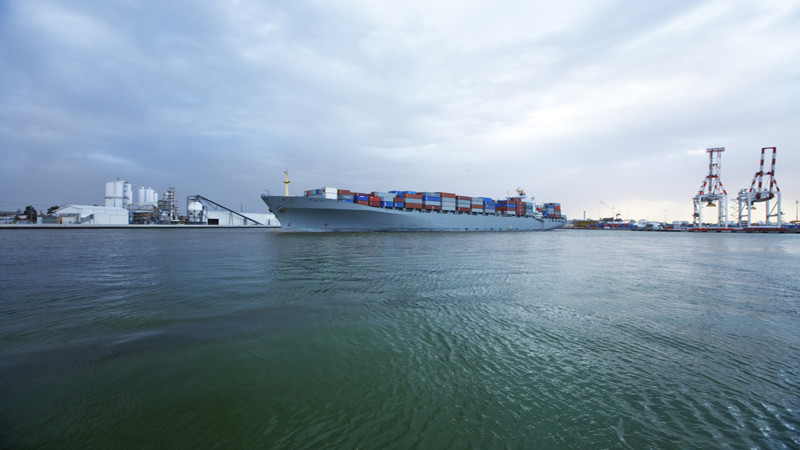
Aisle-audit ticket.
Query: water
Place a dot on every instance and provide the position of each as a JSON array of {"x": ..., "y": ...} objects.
[{"x": 247, "y": 338}]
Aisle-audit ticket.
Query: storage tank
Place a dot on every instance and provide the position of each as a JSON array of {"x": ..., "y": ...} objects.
[
  {"x": 142, "y": 196},
  {"x": 115, "y": 193},
  {"x": 128, "y": 197},
  {"x": 110, "y": 193},
  {"x": 119, "y": 188},
  {"x": 151, "y": 196}
]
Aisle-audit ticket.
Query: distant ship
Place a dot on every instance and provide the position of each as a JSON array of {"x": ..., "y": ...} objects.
[{"x": 339, "y": 210}]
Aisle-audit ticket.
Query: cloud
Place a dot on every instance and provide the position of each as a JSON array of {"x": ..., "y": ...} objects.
[{"x": 575, "y": 101}]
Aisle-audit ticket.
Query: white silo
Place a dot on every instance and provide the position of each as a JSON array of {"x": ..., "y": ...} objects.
[
  {"x": 119, "y": 188},
  {"x": 142, "y": 196},
  {"x": 151, "y": 196},
  {"x": 110, "y": 194},
  {"x": 115, "y": 193},
  {"x": 128, "y": 197},
  {"x": 195, "y": 213}
]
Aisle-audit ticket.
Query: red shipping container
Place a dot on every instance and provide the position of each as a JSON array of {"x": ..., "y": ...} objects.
[
  {"x": 464, "y": 197},
  {"x": 378, "y": 203},
  {"x": 433, "y": 207},
  {"x": 414, "y": 205},
  {"x": 361, "y": 202},
  {"x": 447, "y": 194},
  {"x": 463, "y": 209},
  {"x": 419, "y": 196}
]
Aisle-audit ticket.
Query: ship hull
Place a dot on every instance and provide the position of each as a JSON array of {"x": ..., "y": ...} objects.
[{"x": 320, "y": 214}]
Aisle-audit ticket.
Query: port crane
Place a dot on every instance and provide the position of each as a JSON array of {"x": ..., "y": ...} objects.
[
  {"x": 614, "y": 217},
  {"x": 759, "y": 193},
  {"x": 711, "y": 191}
]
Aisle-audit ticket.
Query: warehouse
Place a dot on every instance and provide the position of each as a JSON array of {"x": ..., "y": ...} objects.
[
  {"x": 228, "y": 218},
  {"x": 91, "y": 215}
]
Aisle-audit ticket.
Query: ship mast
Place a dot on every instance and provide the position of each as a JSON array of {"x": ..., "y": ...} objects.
[{"x": 286, "y": 184}]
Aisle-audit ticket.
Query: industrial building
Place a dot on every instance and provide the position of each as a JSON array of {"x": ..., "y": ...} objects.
[
  {"x": 203, "y": 211},
  {"x": 91, "y": 215},
  {"x": 121, "y": 208}
]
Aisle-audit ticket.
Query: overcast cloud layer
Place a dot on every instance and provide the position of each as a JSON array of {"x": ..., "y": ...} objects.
[{"x": 578, "y": 102}]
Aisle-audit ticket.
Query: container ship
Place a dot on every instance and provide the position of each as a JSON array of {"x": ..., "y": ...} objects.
[{"x": 340, "y": 210}]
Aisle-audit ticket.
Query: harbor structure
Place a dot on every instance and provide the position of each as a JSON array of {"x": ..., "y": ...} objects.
[
  {"x": 204, "y": 211},
  {"x": 122, "y": 208},
  {"x": 760, "y": 193},
  {"x": 91, "y": 215},
  {"x": 712, "y": 193}
]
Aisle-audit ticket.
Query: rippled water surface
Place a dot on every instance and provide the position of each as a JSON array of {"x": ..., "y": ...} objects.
[{"x": 248, "y": 338}]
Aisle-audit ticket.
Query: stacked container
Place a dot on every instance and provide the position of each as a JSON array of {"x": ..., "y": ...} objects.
[
  {"x": 387, "y": 199},
  {"x": 552, "y": 210},
  {"x": 489, "y": 205},
  {"x": 463, "y": 203},
  {"x": 476, "y": 204},
  {"x": 361, "y": 199},
  {"x": 325, "y": 192},
  {"x": 448, "y": 201},
  {"x": 439, "y": 201},
  {"x": 345, "y": 196},
  {"x": 413, "y": 201},
  {"x": 431, "y": 201}
]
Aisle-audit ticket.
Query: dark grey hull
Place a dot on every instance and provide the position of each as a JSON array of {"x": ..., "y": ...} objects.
[{"x": 319, "y": 214}]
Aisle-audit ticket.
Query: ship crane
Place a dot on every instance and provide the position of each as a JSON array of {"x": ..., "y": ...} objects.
[
  {"x": 711, "y": 191},
  {"x": 758, "y": 192},
  {"x": 614, "y": 217}
]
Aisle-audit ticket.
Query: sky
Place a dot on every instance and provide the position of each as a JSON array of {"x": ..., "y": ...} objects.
[{"x": 599, "y": 105}]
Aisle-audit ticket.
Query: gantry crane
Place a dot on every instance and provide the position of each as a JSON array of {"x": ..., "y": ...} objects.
[
  {"x": 711, "y": 191},
  {"x": 759, "y": 193}
]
